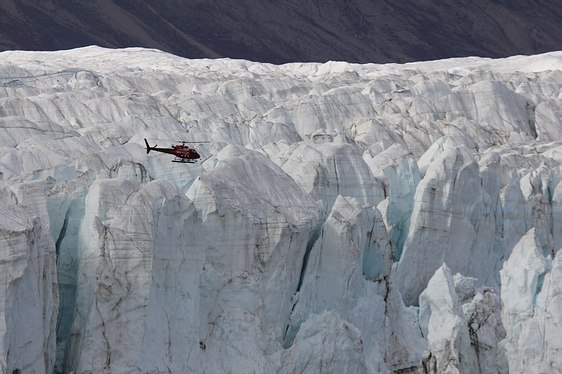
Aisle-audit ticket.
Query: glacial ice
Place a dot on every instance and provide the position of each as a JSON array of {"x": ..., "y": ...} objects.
[
  {"x": 462, "y": 325},
  {"x": 343, "y": 218},
  {"x": 29, "y": 301},
  {"x": 442, "y": 322},
  {"x": 531, "y": 313}
]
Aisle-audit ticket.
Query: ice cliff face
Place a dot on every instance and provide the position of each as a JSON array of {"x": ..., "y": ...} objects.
[
  {"x": 344, "y": 218},
  {"x": 29, "y": 299}
]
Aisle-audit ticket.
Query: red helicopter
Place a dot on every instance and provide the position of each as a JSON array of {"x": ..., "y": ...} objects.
[{"x": 184, "y": 154}]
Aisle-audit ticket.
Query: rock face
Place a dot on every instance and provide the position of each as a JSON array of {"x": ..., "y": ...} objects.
[
  {"x": 343, "y": 218},
  {"x": 280, "y": 32}
]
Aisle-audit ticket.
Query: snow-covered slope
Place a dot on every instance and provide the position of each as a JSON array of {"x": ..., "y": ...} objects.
[{"x": 344, "y": 218}]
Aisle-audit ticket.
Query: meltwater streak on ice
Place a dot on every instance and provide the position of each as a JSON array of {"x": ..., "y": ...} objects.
[{"x": 354, "y": 218}]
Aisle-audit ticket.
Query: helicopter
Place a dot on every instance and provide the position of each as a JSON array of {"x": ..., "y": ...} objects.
[{"x": 184, "y": 153}]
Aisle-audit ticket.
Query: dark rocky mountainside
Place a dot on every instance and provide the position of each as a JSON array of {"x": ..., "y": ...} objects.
[{"x": 290, "y": 30}]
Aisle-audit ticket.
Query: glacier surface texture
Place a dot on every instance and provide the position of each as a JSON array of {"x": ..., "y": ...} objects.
[{"x": 343, "y": 218}]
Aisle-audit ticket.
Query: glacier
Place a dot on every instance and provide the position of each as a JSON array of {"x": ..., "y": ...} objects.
[{"x": 375, "y": 218}]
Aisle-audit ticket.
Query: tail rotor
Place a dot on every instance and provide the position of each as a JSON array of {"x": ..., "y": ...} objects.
[{"x": 148, "y": 147}]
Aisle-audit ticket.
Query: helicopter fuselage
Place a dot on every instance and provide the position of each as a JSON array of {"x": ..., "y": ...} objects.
[{"x": 183, "y": 152}]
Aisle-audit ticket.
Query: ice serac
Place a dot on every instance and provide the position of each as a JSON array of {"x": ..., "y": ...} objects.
[
  {"x": 236, "y": 345},
  {"x": 442, "y": 323},
  {"x": 482, "y": 314},
  {"x": 532, "y": 308},
  {"x": 329, "y": 343},
  {"x": 137, "y": 296},
  {"x": 354, "y": 244},
  {"x": 493, "y": 103},
  {"x": 28, "y": 295},
  {"x": 448, "y": 222},
  {"x": 546, "y": 119},
  {"x": 329, "y": 165},
  {"x": 398, "y": 170},
  {"x": 258, "y": 224}
]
